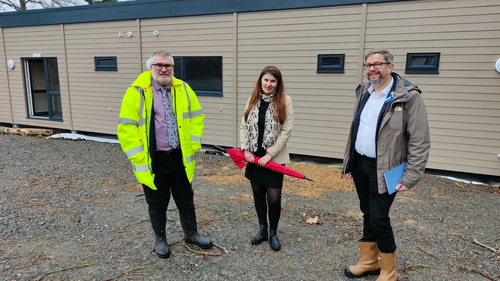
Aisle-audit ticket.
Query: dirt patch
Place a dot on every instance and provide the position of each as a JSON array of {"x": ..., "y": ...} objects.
[{"x": 325, "y": 178}]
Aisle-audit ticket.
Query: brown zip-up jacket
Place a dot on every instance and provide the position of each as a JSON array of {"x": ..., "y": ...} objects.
[{"x": 403, "y": 135}]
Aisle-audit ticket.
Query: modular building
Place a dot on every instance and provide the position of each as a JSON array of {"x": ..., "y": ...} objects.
[{"x": 68, "y": 68}]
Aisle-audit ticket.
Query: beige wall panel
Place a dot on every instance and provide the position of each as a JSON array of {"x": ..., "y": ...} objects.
[
  {"x": 5, "y": 104},
  {"x": 463, "y": 99},
  {"x": 149, "y": 26},
  {"x": 463, "y": 128},
  {"x": 113, "y": 26},
  {"x": 294, "y": 53},
  {"x": 298, "y": 20},
  {"x": 479, "y": 105},
  {"x": 23, "y": 42},
  {"x": 96, "y": 95},
  {"x": 96, "y": 98},
  {"x": 432, "y": 5},
  {"x": 444, "y": 144},
  {"x": 199, "y": 36},
  {"x": 461, "y": 92},
  {"x": 471, "y": 140},
  {"x": 466, "y": 35},
  {"x": 479, "y": 135},
  {"x": 463, "y": 111},
  {"x": 467, "y": 157},
  {"x": 437, "y": 26},
  {"x": 456, "y": 164},
  {"x": 211, "y": 103},
  {"x": 480, "y": 120},
  {"x": 82, "y": 81},
  {"x": 297, "y": 37},
  {"x": 282, "y": 14},
  {"x": 286, "y": 33},
  {"x": 477, "y": 72},
  {"x": 217, "y": 121},
  {"x": 447, "y": 12}
]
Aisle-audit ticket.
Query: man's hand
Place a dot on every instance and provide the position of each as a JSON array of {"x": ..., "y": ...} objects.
[
  {"x": 249, "y": 157},
  {"x": 348, "y": 175},
  {"x": 401, "y": 187},
  {"x": 263, "y": 161}
]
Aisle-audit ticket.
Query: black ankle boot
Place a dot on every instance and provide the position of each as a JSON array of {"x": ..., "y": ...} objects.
[
  {"x": 274, "y": 241},
  {"x": 188, "y": 223},
  {"x": 161, "y": 246},
  {"x": 261, "y": 236}
]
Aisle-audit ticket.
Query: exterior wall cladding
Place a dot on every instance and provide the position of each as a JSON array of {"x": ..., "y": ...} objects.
[{"x": 463, "y": 98}]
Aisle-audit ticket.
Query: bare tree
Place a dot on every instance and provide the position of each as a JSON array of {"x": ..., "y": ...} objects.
[{"x": 21, "y": 5}]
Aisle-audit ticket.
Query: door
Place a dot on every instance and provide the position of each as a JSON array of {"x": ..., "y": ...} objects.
[{"x": 43, "y": 96}]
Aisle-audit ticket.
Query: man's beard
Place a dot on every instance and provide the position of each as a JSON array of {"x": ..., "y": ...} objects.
[
  {"x": 379, "y": 80},
  {"x": 164, "y": 81}
]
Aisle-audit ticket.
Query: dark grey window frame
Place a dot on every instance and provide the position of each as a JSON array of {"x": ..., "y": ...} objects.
[
  {"x": 50, "y": 93},
  {"x": 422, "y": 69},
  {"x": 181, "y": 60},
  {"x": 106, "y": 67},
  {"x": 331, "y": 68}
]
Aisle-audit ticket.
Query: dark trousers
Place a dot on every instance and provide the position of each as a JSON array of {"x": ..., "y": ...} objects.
[
  {"x": 170, "y": 177},
  {"x": 374, "y": 206}
]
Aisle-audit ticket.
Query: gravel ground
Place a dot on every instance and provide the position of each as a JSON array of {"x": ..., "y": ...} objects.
[{"x": 72, "y": 210}]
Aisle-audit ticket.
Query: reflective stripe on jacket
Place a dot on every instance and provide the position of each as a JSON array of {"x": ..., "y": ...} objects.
[{"x": 134, "y": 126}]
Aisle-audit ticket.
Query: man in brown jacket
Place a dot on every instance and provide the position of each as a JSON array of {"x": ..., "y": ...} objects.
[{"x": 389, "y": 128}]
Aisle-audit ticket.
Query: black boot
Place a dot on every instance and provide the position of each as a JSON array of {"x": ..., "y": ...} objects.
[
  {"x": 188, "y": 222},
  {"x": 161, "y": 246},
  {"x": 261, "y": 236},
  {"x": 274, "y": 241},
  {"x": 158, "y": 221}
]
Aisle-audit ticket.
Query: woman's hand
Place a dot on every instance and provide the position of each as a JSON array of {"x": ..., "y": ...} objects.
[
  {"x": 249, "y": 157},
  {"x": 263, "y": 161}
]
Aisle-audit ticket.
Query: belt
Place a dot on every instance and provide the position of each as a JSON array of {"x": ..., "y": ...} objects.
[
  {"x": 365, "y": 157},
  {"x": 170, "y": 152}
]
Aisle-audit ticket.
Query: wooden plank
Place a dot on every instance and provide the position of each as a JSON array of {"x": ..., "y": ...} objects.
[{"x": 29, "y": 131}]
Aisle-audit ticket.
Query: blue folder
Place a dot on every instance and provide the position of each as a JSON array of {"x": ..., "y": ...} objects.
[{"x": 393, "y": 177}]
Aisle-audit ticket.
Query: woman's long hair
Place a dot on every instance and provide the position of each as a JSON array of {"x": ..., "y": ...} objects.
[{"x": 279, "y": 100}]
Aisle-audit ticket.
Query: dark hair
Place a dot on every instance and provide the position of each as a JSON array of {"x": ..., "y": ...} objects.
[{"x": 279, "y": 100}]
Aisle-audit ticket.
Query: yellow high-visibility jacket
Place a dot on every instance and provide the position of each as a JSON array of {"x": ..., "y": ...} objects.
[{"x": 136, "y": 122}]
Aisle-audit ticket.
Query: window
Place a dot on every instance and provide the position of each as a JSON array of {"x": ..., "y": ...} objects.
[
  {"x": 203, "y": 74},
  {"x": 422, "y": 63},
  {"x": 43, "y": 96},
  {"x": 330, "y": 64},
  {"x": 105, "y": 64}
]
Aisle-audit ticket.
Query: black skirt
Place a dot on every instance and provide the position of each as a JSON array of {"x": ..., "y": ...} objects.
[
  {"x": 264, "y": 176},
  {"x": 258, "y": 174}
]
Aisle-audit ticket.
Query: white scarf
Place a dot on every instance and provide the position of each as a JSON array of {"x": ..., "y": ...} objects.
[{"x": 270, "y": 125}]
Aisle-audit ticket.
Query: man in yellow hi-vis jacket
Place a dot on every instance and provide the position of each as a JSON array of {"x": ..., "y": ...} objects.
[{"x": 160, "y": 130}]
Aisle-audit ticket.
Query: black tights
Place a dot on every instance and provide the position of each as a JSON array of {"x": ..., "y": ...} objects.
[{"x": 273, "y": 200}]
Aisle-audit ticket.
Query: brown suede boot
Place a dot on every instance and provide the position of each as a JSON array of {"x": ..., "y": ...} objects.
[
  {"x": 368, "y": 261},
  {"x": 389, "y": 271}
]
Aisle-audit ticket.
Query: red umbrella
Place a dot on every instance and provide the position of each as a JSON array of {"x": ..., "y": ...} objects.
[{"x": 239, "y": 159}]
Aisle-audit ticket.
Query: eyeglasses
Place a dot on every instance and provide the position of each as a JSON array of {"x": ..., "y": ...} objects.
[
  {"x": 159, "y": 66},
  {"x": 376, "y": 65}
]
